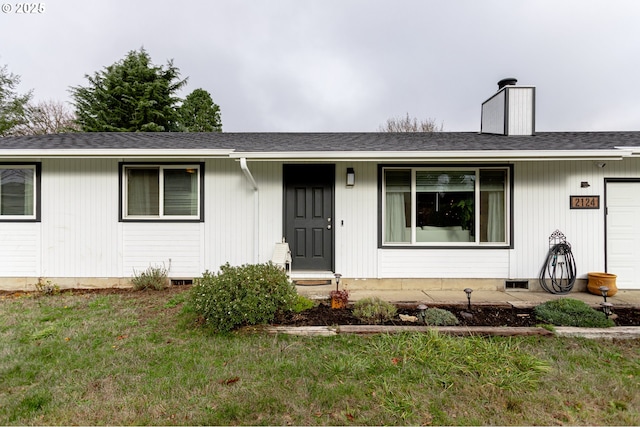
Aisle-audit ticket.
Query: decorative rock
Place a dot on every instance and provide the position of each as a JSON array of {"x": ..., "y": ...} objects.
[
  {"x": 466, "y": 315},
  {"x": 407, "y": 318}
]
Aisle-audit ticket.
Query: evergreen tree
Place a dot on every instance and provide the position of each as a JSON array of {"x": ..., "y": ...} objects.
[
  {"x": 12, "y": 105},
  {"x": 130, "y": 95},
  {"x": 199, "y": 113}
]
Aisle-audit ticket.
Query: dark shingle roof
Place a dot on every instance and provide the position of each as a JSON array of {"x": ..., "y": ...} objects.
[{"x": 300, "y": 142}]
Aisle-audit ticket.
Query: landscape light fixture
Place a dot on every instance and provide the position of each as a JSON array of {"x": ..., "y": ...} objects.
[
  {"x": 468, "y": 292},
  {"x": 604, "y": 290},
  {"x": 607, "y": 308},
  {"x": 422, "y": 312},
  {"x": 337, "y": 276},
  {"x": 351, "y": 177}
]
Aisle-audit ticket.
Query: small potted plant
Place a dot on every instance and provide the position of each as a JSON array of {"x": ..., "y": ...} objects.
[{"x": 339, "y": 298}]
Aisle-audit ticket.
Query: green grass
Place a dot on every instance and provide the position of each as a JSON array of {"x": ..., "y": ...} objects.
[{"x": 138, "y": 358}]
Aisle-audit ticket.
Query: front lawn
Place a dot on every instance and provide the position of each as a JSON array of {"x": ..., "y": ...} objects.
[{"x": 139, "y": 358}]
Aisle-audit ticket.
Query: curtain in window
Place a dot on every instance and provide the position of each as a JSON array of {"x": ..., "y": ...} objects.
[
  {"x": 495, "y": 217},
  {"x": 395, "y": 219},
  {"x": 397, "y": 184},
  {"x": 492, "y": 188},
  {"x": 143, "y": 191},
  {"x": 181, "y": 191},
  {"x": 16, "y": 191}
]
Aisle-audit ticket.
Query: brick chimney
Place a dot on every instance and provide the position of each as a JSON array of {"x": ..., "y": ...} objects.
[{"x": 510, "y": 111}]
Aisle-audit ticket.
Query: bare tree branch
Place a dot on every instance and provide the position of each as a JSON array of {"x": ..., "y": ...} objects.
[
  {"x": 47, "y": 117},
  {"x": 410, "y": 124}
]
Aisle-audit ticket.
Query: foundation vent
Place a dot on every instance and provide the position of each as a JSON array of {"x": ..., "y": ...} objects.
[{"x": 516, "y": 284}]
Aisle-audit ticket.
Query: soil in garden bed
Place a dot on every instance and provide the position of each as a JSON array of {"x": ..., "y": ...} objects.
[{"x": 324, "y": 315}]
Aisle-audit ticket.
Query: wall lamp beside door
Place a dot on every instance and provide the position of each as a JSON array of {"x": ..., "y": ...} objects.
[{"x": 351, "y": 177}]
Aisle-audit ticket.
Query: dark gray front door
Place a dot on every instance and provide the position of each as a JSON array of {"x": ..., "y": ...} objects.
[{"x": 308, "y": 221}]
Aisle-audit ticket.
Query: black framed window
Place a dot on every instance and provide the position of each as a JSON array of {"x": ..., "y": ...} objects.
[
  {"x": 165, "y": 192},
  {"x": 445, "y": 206},
  {"x": 20, "y": 192}
]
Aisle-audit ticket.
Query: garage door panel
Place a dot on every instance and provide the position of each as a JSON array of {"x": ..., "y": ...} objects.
[{"x": 623, "y": 233}]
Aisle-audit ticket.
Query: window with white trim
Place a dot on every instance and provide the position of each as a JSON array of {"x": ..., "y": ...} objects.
[
  {"x": 18, "y": 192},
  {"x": 162, "y": 192},
  {"x": 445, "y": 206}
]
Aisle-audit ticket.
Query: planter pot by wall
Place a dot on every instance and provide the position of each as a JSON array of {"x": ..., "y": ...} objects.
[{"x": 602, "y": 279}]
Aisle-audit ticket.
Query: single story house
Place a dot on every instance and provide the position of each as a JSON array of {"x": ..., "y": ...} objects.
[{"x": 441, "y": 210}]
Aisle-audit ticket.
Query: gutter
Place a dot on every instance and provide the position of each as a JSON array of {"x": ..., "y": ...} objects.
[
  {"x": 256, "y": 208},
  {"x": 439, "y": 156},
  {"x": 111, "y": 153},
  {"x": 247, "y": 173}
]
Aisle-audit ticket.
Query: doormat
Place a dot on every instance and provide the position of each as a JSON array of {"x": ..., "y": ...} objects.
[{"x": 319, "y": 282}]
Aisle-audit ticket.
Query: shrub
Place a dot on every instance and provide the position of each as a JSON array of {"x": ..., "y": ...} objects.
[
  {"x": 571, "y": 312},
  {"x": 154, "y": 277},
  {"x": 246, "y": 295},
  {"x": 46, "y": 287},
  {"x": 374, "y": 310},
  {"x": 302, "y": 303},
  {"x": 439, "y": 317}
]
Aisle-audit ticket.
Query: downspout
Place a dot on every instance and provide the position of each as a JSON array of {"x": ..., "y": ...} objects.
[{"x": 256, "y": 209}]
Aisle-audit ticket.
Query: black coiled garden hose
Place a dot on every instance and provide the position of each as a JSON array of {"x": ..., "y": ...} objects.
[{"x": 558, "y": 274}]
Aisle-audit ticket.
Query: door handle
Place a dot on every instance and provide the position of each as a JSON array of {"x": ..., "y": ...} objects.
[{"x": 329, "y": 227}]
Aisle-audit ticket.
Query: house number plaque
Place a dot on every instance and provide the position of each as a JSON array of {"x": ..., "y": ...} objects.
[{"x": 585, "y": 202}]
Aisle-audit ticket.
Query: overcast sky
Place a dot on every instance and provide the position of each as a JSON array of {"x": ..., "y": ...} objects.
[{"x": 348, "y": 65}]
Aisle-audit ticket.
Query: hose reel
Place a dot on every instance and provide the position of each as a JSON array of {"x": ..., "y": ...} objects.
[{"x": 558, "y": 273}]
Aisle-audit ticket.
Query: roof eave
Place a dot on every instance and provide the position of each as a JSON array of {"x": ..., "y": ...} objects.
[
  {"x": 438, "y": 156},
  {"x": 110, "y": 153}
]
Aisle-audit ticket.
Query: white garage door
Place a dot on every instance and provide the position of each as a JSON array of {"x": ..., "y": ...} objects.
[{"x": 623, "y": 233}]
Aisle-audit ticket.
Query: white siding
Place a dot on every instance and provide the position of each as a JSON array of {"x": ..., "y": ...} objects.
[
  {"x": 19, "y": 249},
  {"x": 493, "y": 114},
  {"x": 513, "y": 103},
  {"x": 356, "y": 222},
  {"x": 541, "y": 196},
  {"x": 242, "y": 225},
  {"x": 80, "y": 226},
  {"x": 520, "y": 111},
  {"x": 450, "y": 263},
  {"x": 80, "y": 236},
  {"x": 176, "y": 246}
]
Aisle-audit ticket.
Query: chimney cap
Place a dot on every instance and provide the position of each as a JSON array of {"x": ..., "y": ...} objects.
[{"x": 509, "y": 81}]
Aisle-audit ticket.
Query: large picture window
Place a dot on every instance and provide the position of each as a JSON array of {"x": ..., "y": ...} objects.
[
  {"x": 445, "y": 206},
  {"x": 18, "y": 192},
  {"x": 162, "y": 192}
]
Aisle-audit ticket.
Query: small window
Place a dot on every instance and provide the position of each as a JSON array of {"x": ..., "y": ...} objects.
[
  {"x": 162, "y": 192},
  {"x": 445, "y": 206},
  {"x": 19, "y": 192}
]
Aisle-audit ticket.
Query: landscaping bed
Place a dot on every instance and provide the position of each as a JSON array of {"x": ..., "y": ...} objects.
[{"x": 481, "y": 315}]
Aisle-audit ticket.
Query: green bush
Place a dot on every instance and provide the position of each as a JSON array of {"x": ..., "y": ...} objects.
[
  {"x": 571, "y": 312},
  {"x": 154, "y": 277},
  {"x": 250, "y": 294},
  {"x": 374, "y": 310},
  {"x": 302, "y": 303},
  {"x": 439, "y": 317}
]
